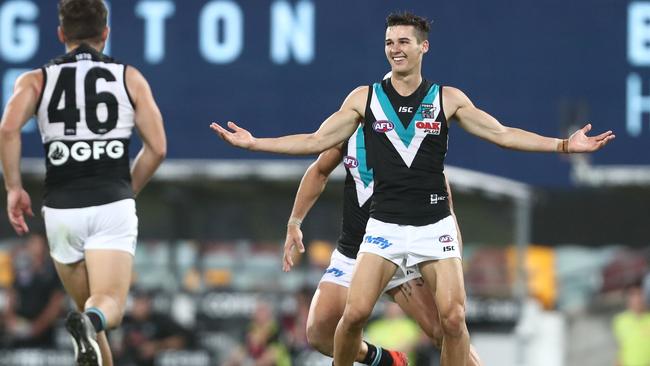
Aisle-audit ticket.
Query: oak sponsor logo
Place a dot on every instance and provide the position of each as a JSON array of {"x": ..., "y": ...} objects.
[
  {"x": 59, "y": 153},
  {"x": 429, "y": 127}
]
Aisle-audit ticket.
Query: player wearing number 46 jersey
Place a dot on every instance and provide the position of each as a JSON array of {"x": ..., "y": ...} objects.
[{"x": 86, "y": 105}]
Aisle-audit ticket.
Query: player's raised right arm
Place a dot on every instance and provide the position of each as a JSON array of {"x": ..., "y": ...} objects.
[{"x": 336, "y": 129}]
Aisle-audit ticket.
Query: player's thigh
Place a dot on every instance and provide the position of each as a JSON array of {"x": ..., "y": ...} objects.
[
  {"x": 371, "y": 275},
  {"x": 326, "y": 309},
  {"x": 445, "y": 277},
  {"x": 75, "y": 281},
  {"x": 109, "y": 273},
  {"x": 417, "y": 301}
]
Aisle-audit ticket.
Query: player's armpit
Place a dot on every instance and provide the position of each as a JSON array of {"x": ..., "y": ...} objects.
[{"x": 328, "y": 160}]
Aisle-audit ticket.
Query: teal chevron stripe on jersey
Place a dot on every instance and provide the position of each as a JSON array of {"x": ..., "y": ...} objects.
[
  {"x": 405, "y": 134},
  {"x": 364, "y": 172}
]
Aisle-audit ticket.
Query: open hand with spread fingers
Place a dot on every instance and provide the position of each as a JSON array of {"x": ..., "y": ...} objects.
[
  {"x": 579, "y": 142},
  {"x": 238, "y": 137}
]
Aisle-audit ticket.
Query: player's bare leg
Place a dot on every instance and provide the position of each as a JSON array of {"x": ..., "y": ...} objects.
[
  {"x": 75, "y": 280},
  {"x": 445, "y": 279},
  {"x": 418, "y": 303},
  {"x": 371, "y": 275},
  {"x": 109, "y": 278},
  {"x": 325, "y": 311}
]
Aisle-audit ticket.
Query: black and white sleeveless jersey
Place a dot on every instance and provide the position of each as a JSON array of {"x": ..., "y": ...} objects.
[
  {"x": 407, "y": 144},
  {"x": 85, "y": 117},
  {"x": 356, "y": 195}
]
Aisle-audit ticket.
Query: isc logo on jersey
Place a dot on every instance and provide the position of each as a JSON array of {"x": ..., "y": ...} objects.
[
  {"x": 59, "y": 153},
  {"x": 383, "y": 126},
  {"x": 431, "y": 128},
  {"x": 350, "y": 162}
]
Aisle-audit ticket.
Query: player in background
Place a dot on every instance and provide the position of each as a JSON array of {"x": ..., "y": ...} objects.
[{"x": 86, "y": 105}]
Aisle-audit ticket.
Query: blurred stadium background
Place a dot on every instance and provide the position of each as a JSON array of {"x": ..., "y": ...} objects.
[{"x": 551, "y": 242}]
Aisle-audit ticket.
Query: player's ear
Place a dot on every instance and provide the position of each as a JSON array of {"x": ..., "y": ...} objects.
[
  {"x": 105, "y": 33},
  {"x": 425, "y": 46},
  {"x": 60, "y": 34}
]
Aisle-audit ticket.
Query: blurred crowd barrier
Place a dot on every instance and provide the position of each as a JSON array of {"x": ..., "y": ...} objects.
[{"x": 229, "y": 303}]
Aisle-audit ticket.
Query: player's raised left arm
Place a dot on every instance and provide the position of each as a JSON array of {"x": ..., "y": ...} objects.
[
  {"x": 483, "y": 125},
  {"x": 336, "y": 129},
  {"x": 21, "y": 106}
]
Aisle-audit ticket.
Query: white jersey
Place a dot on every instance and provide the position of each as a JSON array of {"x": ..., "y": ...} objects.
[{"x": 85, "y": 117}]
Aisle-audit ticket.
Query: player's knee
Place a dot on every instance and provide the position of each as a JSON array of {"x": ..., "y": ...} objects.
[
  {"x": 356, "y": 317},
  {"x": 453, "y": 321},
  {"x": 320, "y": 337}
]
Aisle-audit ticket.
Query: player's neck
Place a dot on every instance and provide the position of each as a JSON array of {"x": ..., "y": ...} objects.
[
  {"x": 406, "y": 84},
  {"x": 99, "y": 47}
]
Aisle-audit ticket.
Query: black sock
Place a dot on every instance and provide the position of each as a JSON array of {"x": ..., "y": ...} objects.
[
  {"x": 95, "y": 320},
  {"x": 370, "y": 355},
  {"x": 377, "y": 356}
]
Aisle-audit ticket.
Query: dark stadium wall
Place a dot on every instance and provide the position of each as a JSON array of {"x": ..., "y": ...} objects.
[{"x": 281, "y": 67}]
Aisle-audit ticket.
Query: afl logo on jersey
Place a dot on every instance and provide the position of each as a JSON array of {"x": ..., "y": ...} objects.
[
  {"x": 59, "y": 153},
  {"x": 350, "y": 162},
  {"x": 383, "y": 126}
]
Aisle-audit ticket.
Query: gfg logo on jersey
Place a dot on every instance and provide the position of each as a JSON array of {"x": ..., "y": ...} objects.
[
  {"x": 379, "y": 241},
  {"x": 350, "y": 162},
  {"x": 446, "y": 239},
  {"x": 383, "y": 126},
  {"x": 59, "y": 153},
  {"x": 431, "y": 128},
  {"x": 335, "y": 271}
]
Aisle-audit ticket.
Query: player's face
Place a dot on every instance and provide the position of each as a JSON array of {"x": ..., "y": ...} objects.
[{"x": 403, "y": 50}]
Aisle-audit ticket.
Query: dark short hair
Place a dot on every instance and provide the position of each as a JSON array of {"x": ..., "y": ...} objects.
[
  {"x": 82, "y": 20},
  {"x": 421, "y": 24}
]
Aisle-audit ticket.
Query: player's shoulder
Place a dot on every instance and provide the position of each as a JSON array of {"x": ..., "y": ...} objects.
[
  {"x": 454, "y": 98},
  {"x": 360, "y": 90},
  {"x": 452, "y": 92},
  {"x": 32, "y": 78},
  {"x": 133, "y": 75},
  {"x": 357, "y": 96},
  {"x": 136, "y": 83}
]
